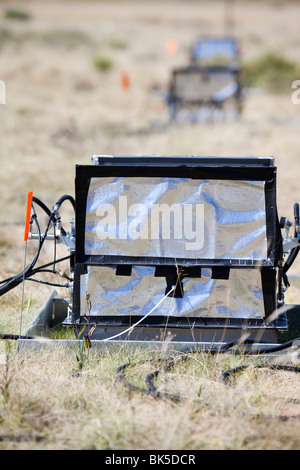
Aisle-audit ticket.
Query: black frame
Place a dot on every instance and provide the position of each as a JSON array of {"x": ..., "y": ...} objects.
[
  {"x": 197, "y": 58},
  {"x": 176, "y": 103},
  {"x": 233, "y": 168}
]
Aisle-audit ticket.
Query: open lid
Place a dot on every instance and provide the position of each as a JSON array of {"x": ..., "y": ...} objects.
[
  {"x": 215, "y": 48},
  {"x": 166, "y": 211}
]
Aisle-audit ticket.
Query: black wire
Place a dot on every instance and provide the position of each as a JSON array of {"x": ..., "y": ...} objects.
[
  {"x": 16, "y": 280},
  {"x": 51, "y": 271},
  {"x": 276, "y": 348},
  {"x": 295, "y": 251},
  {"x": 46, "y": 209},
  {"x": 41, "y": 269},
  {"x": 42, "y": 205},
  {"x": 48, "y": 283},
  {"x": 64, "y": 198},
  {"x": 151, "y": 390},
  {"x": 230, "y": 372},
  {"x": 291, "y": 258},
  {"x": 14, "y": 337},
  {"x": 170, "y": 363},
  {"x": 229, "y": 345}
]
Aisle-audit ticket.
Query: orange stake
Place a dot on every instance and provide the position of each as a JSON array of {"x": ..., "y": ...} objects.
[
  {"x": 125, "y": 81},
  {"x": 171, "y": 46},
  {"x": 28, "y": 215}
]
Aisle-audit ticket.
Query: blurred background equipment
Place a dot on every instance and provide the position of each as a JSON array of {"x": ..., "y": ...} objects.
[{"x": 209, "y": 88}]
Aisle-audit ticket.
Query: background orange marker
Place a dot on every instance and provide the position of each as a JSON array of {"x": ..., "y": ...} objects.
[
  {"x": 28, "y": 214},
  {"x": 125, "y": 81},
  {"x": 26, "y": 233},
  {"x": 171, "y": 46}
]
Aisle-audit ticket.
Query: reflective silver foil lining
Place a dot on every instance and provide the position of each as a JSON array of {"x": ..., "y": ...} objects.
[
  {"x": 176, "y": 218},
  {"x": 195, "y": 86},
  {"x": 240, "y": 296}
]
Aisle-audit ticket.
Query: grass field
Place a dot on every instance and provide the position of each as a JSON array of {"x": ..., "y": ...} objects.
[{"x": 62, "y": 64}]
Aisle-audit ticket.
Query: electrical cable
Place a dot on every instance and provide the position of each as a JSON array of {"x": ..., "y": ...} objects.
[
  {"x": 41, "y": 269},
  {"x": 230, "y": 372},
  {"x": 65, "y": 197},
  {"x": 57, "y": 204},
  {"x": 12, "y": 282},
  {"x": 8, "y": 336},
  {"x": 170, "y": 363},
  {"x": 295, "y": 251},
  {"x": 16, "y": 280},
  {"x": 56, "y": 207},
  {"x": 151, "y": 390},
  {"x": 279, "y": 347},
  {"x": 42, "y": 205},
  {"x": 48, "y": 283}
]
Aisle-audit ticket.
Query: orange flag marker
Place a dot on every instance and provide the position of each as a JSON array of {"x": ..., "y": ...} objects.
[
  {"x": 171, "y": 46},
  {"x": 28, "y": 215},
  {"x": 125, "y": 81}
]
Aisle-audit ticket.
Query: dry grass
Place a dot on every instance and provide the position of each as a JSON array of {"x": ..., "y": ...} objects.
[
  {"x": 48, "y": 405},
  {"x": 60, "y": 111}
]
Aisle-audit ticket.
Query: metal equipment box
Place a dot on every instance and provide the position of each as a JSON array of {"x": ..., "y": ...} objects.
[
  {"x": 210, "y": 87},
  {"x": 185, "y": 248}
]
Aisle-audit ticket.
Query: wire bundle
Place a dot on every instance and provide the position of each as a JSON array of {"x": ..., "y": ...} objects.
[
  {"x": 29, "y": 271},
  {"x": 169, "y": 364}
]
